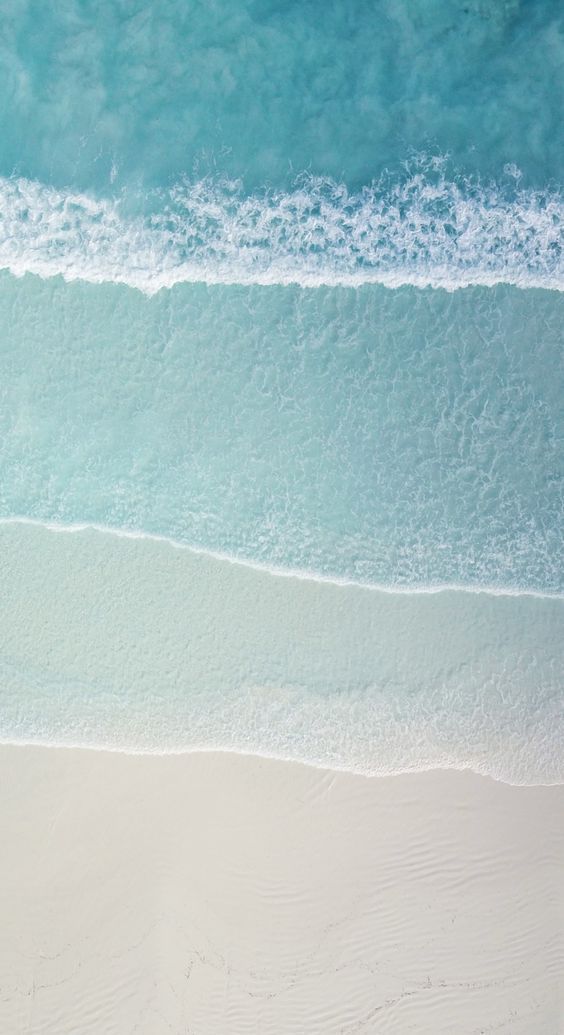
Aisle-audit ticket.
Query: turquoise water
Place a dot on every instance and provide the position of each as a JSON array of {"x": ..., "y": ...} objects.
[
  {"x": 139, "y": 93},
  {"x": 260, "y": 142},
  {"x": 401, "y": 438},
  {"x": 283, "y": 284}
]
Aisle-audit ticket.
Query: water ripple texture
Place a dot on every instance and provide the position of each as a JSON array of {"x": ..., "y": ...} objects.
[{"x": 407, "y": 438}]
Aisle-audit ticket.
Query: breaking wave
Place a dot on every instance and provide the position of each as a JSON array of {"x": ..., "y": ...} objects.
[{"x": 426, "y": 230}]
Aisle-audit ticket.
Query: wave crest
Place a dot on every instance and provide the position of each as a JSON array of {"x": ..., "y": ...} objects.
[{"x": 426, "y": 230}]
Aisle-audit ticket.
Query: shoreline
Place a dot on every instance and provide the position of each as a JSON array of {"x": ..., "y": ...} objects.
[
  {"x": 133, "y": 645},
  {"x": 297, "y": 574},
  {"x": 258, "y": 756}
]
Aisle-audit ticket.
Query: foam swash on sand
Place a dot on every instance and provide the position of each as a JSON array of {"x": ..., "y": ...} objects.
[{"x": 132, "y": 644}]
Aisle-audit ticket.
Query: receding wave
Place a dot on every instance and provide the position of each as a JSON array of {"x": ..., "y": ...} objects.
[
  {"x": 130, "y": 645},
  {"x": 424, "y": 230},
  {"x": 307, "y": 575}
]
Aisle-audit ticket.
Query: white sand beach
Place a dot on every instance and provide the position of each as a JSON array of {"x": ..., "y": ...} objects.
[{"x": 221, "y": 894}]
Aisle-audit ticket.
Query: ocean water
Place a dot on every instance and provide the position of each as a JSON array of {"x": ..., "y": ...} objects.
[
  {"x": 121, "y": 92},
  {"x": 282, "y": 285},
  {"x": 402, "y": 438}
]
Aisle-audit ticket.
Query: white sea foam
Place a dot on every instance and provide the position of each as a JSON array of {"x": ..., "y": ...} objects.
[{"x": 426, "y": 230}]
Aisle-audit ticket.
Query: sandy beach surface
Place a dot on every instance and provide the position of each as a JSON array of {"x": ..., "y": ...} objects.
[{"x": 220, "y": 894}]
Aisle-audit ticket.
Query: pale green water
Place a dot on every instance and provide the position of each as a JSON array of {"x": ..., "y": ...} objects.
[{"x": 136, "y": 645}]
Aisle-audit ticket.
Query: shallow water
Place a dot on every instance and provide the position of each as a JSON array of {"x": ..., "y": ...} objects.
[
  {"x": 283, "y": 283},
  {"x": 400, "y": 438},
  {"x": 133, "y": 644}
]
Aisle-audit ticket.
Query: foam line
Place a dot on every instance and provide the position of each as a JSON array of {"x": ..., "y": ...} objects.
[
  {"x": 302, "y": 574},
  {"x": 422, "y": 231},
  {"x": 127, "y": 644}
]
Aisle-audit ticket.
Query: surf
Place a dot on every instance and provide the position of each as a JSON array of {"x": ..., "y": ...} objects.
[{"x": 422, "y": 230}]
